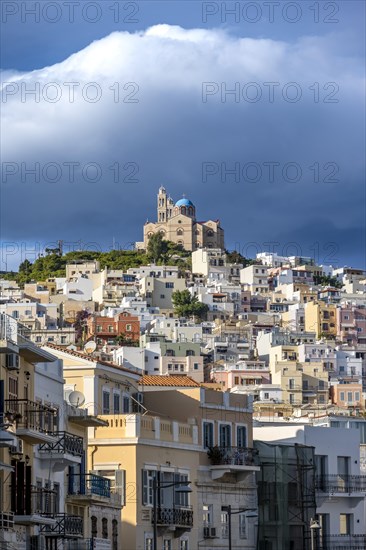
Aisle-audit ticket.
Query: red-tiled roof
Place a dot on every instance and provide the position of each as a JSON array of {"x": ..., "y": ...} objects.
[{"x": 172, "y": 381}]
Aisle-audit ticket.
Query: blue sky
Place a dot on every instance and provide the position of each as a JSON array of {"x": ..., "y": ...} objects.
[{"x": 282, "y": 171}]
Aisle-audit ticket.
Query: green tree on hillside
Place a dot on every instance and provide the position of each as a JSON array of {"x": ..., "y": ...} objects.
[{"x": 186, "y": 305}]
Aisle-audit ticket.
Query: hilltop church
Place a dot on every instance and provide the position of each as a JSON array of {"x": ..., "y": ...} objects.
[{"x": 177, "y": 222}]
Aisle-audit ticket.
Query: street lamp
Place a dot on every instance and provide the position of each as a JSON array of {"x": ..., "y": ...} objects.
[
  {"x": 230, "y": 512},
  {"x": 314, "y": 526},
  {"x": 156, "y": 486}
]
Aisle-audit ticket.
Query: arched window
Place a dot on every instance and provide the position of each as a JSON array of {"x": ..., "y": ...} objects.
[
  {"x": 114, "y": 534},
  {"x": 190, "y": 210},
  {"x": 180, "y": 242},
  {"x": 94, "y": 527},
  {"x": 104, "y": 528},
  {"x": 183, "y": 210},
  {"x": 210, "y": 233},
  {"x": 198, "y": 244},
  {"x": 197, "y": 232},
  {"x": 179, "y": 231}
]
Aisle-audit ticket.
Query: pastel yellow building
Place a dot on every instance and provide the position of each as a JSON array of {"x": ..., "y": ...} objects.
[{"x": 321, "y": 318}]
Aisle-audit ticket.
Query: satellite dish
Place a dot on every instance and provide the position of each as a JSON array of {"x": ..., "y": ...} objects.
[
  {"x": 90, "y": 347},
  {"x": 76, "y": 398}
]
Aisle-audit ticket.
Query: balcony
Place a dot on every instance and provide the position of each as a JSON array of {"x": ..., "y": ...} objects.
[
  {"x": 179, "y": 517},
  {"x": 240, "y": 461},
  {"x": 343, "y": 542},
  {"x": 35, "y": 422},
  {"x": 64, "y": 526},
  {"x": 6, "y": 521},
  {"x": 341, "y": 484},
  {"x": 33, "y": 505},
  {"x": 66, "y": 450},
  {"x": 81, "y": 417},
  {"x": 92, "y": 489}
]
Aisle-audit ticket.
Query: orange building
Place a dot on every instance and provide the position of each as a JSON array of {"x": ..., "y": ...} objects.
[{"x": 122, "y": 329}]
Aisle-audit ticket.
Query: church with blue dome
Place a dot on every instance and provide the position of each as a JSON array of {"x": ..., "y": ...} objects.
[{"x": 177, "y": 222}]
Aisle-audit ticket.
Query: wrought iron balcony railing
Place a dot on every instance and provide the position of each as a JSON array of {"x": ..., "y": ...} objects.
[
  {"x": 26, "y": 501},
  {"x": 342, "y": 542},
  {"x": 31, "y": 415},
  {"x": 235, "y": 456},
  {"x": 66, "y": 443},
  {"x": 341, "y": 483},
  {"x": 65, "y": 526},
  {"x": 89, "y": 485},
  {"x": 181, "y": 517}
]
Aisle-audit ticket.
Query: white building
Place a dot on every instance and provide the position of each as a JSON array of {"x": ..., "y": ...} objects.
[{"x": 340, "y": 490}]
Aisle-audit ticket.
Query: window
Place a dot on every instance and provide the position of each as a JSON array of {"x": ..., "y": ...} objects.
[
  {"x": 128, "y": 328},
  {"x": 189, "y": 352},
  {"x": 224, "y": 525},
  {"x": 207, "y": 515},
  {"x": 357, "y": 396},
  {"x": 180, "y": 499},
  {"x": 126, "y": 404},
  {"x": 104, "y": 528},
  {"x": 169, "y": 285},
  {"x": 99, "y": 328},
  {"x": 345, "y": 524},
  {"x": 225, "y": 435},
  {"x": 56, "y": 488},
  {"x": 116, "y": 403},
  {"x": 162, "y": 296},
  {"x": 114, "y": 534},
  {"x": 15, "y": 314},
  {"x": 349, "y": 396},
  {"x": 13, "y": 388},
  {"x": 341, "y": 396},
  {"x": 184, "y": 544},
  {"x": 94, "y": 526},
  {"x": 242, "y": 526},
  {"x": 208, "y": 434},
  {"x": 167, "y": 544},
  {"x": 241, "y": 436},
  {"x": 147, "y": 487},
  {"x": 148, "y": 543},
  {"x": 195, "y": 366},
  {"x": 170, "y": 353},
  {"x": 106, "y": 406},
  {"x": 266, "y": 395}
]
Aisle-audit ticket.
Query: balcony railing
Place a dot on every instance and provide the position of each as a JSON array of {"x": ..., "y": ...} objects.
[
  {"x": 31, "y": 500},
  {"x": 181, "y": 517},
  {"x": 65, "y": 526},
  {"x": 341, "y": 484},
  {"x": 32, "y": 415},
  {"x": 6, "y": 520},
  {"x": 342, "y": 542},
  {"x": 89, "y": 485},
  {"x": 66, "y": 443},
  {"x": 235, "y": 456}
]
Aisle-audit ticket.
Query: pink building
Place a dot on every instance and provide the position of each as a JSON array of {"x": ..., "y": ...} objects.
[
  {"x": 243, "y": 373},
  {"x": 351, "y": 324}
]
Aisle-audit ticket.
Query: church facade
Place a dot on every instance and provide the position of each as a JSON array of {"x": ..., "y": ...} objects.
[{"x": 177, "y": 223}]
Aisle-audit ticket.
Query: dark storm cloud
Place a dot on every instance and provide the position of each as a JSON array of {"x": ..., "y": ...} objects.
[{"x": 152, "y": 126}]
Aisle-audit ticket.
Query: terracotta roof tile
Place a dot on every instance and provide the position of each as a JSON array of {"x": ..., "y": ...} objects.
[{"x": 172, "y": 381}]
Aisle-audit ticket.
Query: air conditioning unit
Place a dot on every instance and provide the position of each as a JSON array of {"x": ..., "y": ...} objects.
[
  {"x": 209, "y": 532},
  {"x": 17, "y": 449},
  {"x": 12, "y": 361}
]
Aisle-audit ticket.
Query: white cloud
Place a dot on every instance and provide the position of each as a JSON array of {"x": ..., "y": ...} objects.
[{"x": 169, "y": 132}]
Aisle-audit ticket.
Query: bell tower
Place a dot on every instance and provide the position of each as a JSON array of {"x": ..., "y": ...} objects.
[{"x": 162, "y": 206}]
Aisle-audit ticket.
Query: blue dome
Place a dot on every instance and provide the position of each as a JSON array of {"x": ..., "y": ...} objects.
[{"x": 184, "y": 202}]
